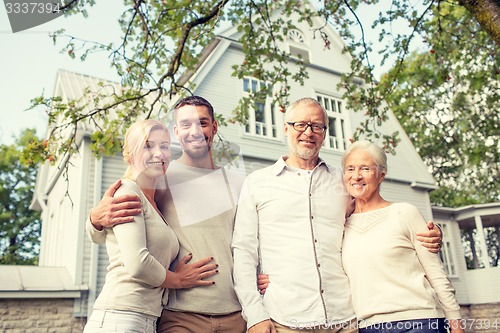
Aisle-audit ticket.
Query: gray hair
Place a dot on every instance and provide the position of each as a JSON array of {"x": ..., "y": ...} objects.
[
  {"x": 377, "y": 153},
  {"x": 304, "y": 101}
]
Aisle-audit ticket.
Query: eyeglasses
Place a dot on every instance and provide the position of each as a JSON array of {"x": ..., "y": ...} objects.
[{"x": 302, "y": 127}]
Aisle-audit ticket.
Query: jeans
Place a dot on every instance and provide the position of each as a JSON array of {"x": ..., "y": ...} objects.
[
  {"x": 431, "y": 325},
  {"x": 120, "y": 322}
]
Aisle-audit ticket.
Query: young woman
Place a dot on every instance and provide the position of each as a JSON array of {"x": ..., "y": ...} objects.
[
  {"x": 141, "y": 252},
  {"x": 396, "y": 284}
]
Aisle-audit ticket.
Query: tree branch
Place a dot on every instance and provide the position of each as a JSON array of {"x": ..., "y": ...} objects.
[{"x": 176, "y": 59}]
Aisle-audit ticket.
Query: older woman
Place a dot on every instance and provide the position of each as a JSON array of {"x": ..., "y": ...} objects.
[
  {"x": 396, "y": 284},
  {"x": 141, "y": 252}
]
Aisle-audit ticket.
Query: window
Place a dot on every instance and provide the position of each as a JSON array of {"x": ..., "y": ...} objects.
[
  {"x": 472, "y": 248},
  {"x": 336, "y": 136},
  {"x": 476, "y": 255},
  {"x": 298, "y": 47},
  {"x": 446, "y": 251},
  {"x": 262, "y": 121},
  {"x": 296, "y": 36},
  {"x": 492, "y": 235}
]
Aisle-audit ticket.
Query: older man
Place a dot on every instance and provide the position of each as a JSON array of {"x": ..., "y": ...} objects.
[{"x": 289, "y": 225}]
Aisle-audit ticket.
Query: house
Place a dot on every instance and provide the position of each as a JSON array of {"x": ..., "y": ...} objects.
[
  {"x": 471, "y": 255},
  {"x": 65, "y": 204}
]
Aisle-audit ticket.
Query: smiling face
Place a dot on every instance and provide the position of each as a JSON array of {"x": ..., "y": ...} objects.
[
  {"x": 195, "y": 128},
  {"x": 305, "y": 145},
  {"x": 154, "y": 157},
  {"x": 361, "y": 175},
  {"x": 146, "y": 150}
]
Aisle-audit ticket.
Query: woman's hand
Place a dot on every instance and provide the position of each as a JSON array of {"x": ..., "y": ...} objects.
[
  {"x": 191, "y": 275},
  {"x": 262, "y": 283},
  {"x": 455, "y": 326},
  {"x": 265, "y": 326}
]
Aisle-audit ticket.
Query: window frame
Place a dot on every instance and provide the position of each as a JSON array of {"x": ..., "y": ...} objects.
[
  {"x": 296, "y": 47},
  {"x": 446, "y": 253},
  {"x": 340, "y": 119},
  {"x": 269, "y": 128}
]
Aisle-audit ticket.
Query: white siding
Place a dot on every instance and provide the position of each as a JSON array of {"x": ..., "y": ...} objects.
[
  {"x": 63, "y": 231},
  {"x": 478, "y": 291},
  {"x": 401, "y": 192},
  {"x": 459, "y": 282},
  {"x": 89, "y": 201},
  {"x": 113, "y": 169}
]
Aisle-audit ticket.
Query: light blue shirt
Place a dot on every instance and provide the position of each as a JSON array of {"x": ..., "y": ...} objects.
[{"x": 289, "y": 225}]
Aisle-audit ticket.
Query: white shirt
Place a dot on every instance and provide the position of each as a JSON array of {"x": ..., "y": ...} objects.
[{"x": 290, "y": 225}]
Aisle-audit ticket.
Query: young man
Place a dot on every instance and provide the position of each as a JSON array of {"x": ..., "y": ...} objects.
[{"x": 199, "y": 205}]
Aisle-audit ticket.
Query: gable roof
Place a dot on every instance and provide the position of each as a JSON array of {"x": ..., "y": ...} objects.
[{"x": 230, "y": 37}]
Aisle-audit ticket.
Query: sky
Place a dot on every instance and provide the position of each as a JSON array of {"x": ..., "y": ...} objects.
[{"x": 30, "y": 61}]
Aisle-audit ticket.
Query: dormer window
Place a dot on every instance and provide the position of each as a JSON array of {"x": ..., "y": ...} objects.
[
  {"x": 296, "y": 36},
  {"x": 297, "y": 45}
]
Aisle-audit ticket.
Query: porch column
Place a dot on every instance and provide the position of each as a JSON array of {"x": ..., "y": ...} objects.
[{"x": 482, "y": 241}]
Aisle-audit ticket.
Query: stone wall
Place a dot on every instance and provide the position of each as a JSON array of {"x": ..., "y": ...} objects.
[
  {"x": 481, "y": 318},
  {"x": 39, "y": 316},
  {"x": 56, "y": 316}
]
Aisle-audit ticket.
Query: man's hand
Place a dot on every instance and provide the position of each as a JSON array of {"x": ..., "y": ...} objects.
[
  {"x": 431, "y": 239},
  {"x": 112, "y": 211},
  {"x": 262, "y": 283},
  {"x": 265, "y": 326},
  {"x": 351, "y": 205}
]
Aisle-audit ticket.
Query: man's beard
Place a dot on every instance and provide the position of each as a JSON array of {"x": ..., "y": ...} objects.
[
  {"x": 198, "y": 153},
  {"x": 303, "y": 153}
]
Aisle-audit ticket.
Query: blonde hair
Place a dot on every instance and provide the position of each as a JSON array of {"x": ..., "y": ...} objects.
[
  {"x": 135, "y": 139},
  {"x": 378, "y": 154}
]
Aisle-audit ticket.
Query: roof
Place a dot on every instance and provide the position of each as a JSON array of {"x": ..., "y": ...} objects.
[
  {"x": 37, "y": 282},
  {"x": 466, "y": 215},
  {"x": 73, "y": 86}
]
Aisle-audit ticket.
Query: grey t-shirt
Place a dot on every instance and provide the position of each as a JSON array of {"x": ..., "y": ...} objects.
[{"x": 200, "y": 206}]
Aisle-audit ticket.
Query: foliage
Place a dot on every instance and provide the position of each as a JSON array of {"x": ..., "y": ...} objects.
[
  {"x": 162, "y": 39},
  {"x": 19, "y": 225},
  {"x": 447, "y": 101}
]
